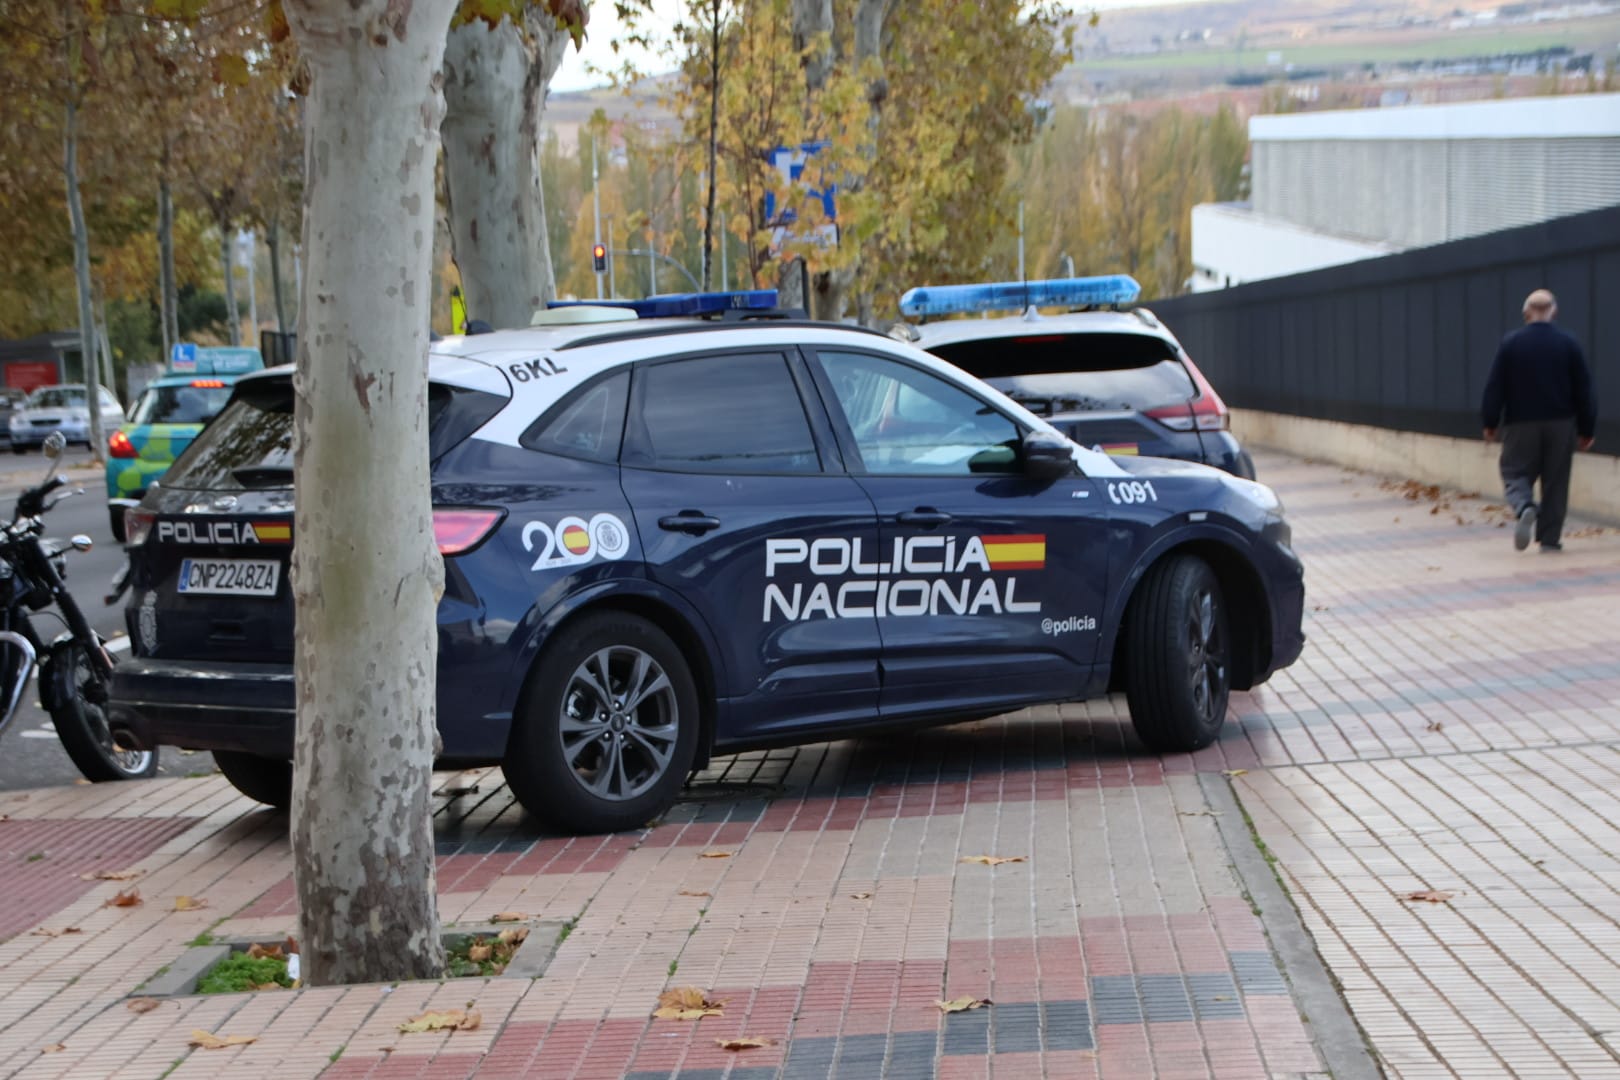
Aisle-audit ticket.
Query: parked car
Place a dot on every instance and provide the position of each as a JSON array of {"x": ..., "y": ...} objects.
[
  {"x": 10, "y": 401},
  {"x": 61, "y": 408},
  {"x": 671, "y": 538},
  {"x": 1112, "y": 376},
  {"x": 164, "y": 419}
]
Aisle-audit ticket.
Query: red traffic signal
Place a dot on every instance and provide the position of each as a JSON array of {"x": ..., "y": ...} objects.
[{"x": 599, "y": 258}]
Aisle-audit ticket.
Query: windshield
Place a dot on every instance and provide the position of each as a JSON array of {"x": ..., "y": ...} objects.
[
  {"x": 179, "y": 404},
  {"x": 57, "y": 397},
  {"x": 1053, "y": 373}
]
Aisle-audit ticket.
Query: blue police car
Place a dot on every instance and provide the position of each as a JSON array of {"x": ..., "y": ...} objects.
[
  {"x": 671, "y": 537},
  {"x": 1105, "y": 373}
]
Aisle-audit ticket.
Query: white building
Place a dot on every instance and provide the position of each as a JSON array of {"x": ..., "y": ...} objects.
[{"x": 1335, "y": 187}]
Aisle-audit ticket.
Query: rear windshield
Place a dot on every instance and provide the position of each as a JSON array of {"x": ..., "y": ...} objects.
[
  {"x": 250, "y": 445},
  {"x": 179, "y": 404},
  {"x": 1051, "y": 373}
]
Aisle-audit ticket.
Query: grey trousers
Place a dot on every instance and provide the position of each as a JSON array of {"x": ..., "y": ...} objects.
[{"x": 1539, "y": 449}]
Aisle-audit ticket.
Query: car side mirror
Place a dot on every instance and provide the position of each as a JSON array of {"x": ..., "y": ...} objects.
[{"x": 1047, "y": 455}]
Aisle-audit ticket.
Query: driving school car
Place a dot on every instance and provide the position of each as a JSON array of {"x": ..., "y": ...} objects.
[
  {"x": 166, "y": 417},
  {"x": 667, "y": 538}
]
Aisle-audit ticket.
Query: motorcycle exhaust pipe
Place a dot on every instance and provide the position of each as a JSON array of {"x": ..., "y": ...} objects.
[
  {"x": 25, "y": 671},
  {"x": 126, "y": 735}
]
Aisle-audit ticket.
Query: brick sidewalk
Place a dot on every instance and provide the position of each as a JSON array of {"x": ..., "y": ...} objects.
[{"x": 1429, "y": 738}]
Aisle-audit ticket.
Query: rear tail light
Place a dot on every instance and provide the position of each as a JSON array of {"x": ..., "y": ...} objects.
[
  {"x": 137, "y": 525},
  {"x": 459, "y": 531},
  {"x": 1177, "y": 417},
  {"x": 119, "y": 446},
  {"x": 1206, "y": 412}
]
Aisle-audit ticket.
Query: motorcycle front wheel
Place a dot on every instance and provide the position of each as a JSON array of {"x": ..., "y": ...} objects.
[{"x": 79, "y": 711}]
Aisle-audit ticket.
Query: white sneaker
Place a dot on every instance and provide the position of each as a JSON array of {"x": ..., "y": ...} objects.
[{"x": 1524, "y": 529}]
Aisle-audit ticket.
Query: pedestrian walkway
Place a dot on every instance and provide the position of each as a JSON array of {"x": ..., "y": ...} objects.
[{"x": 1450, "y": 730}]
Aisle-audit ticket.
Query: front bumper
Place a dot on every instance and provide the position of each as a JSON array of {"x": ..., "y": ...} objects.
[{"x": 206, "y": 705}]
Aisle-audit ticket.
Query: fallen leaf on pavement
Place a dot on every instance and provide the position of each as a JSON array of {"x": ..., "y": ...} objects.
[
  {"x": 453, "y": 1019},
  {"x": 1200, "y": 813},
  {"x": 479, "y": 953},
  {"x": 716, "y": 854},
  {"x": 1428, "y": 896},
  {"x": 513, "y": 935},
  {"x": 142, "y": 1005},
  {"x": 125, "y": 898},
  {"x": 1433, "y": 725},
  {"x": 992, "y": 860},
  {"x": 268, "y": 986},
  {"x": 189, "y": 903},
  {"x": 686, "y": 1003},
  {"x": 1235, "y": 772},
  {"x": 45, "y": 932},
  {"x": 259, "y": 952},
  {"x": 208, "y": 1041},
  {"x": 860, "y": 896},
  {"x": 961, "y": 1004},
  {"x": 744, "y": 1042},
  {"x": 694, "y": 892},
  {"x": 54, "y": 1048},
  {"x": 81, "y": 780},
  {"x": 111, "y": 875},
  {"x": 508, "y": 916}
]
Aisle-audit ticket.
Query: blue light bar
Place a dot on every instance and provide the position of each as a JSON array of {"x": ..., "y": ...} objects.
[
  {"x": 930, "y": 300},
  {"x": 673, "y": 305}
]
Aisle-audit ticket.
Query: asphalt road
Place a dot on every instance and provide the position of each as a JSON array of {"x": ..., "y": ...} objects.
[{"x": 30, "y": 754}]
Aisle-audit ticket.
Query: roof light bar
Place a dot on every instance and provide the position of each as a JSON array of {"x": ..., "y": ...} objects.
[
  {"x": 675, "y": 305},
  {"x": 932, "y": 300}
]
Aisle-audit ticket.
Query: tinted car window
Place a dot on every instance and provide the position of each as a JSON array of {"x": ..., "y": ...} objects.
[
  {"x": 179, "y": 404},
  {"x": 739, "y": 414},
  {"x": 250, "y": 445},
  {"x": 1050, "y": 373},
  {"x": 909, "y": 422},
  {"x": 590, "y": 426}
]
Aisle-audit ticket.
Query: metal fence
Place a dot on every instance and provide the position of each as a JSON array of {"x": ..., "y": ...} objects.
[{"x": 1406, "y": 341}]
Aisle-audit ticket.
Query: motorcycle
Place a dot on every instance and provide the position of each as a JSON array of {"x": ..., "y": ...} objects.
[{"x": 75, "y": 668}]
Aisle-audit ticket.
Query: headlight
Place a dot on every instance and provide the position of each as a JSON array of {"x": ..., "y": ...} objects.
[{"x": 1259, "y": 494}]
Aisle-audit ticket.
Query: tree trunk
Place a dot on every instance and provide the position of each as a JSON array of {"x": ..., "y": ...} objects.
[
  {"x": 272, "y": 239},
  {"x": 232, "y": 316},
  {"x": 81, "y": 274},
  {"x": 366, "y": 574},
  {"x": 169, "y": 302},
  {"x": 107, "y": 376},
  {"x": 813, "y": 20},
  {"x": 495, "y": 93},
  {"x": 714, "y": 141}
]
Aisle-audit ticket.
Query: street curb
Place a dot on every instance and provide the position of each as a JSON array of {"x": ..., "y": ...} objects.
[{"x": 1339, "y": 1039}]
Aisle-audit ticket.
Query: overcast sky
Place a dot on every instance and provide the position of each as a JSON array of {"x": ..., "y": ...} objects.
[{"x": 576, "y": 73}]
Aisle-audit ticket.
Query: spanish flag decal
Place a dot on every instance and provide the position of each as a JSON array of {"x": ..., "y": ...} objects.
[
  {"x": 1022, "y": 552},
  {"x": 273, "y": 532},
  {"x": 1127, "y": 449}
]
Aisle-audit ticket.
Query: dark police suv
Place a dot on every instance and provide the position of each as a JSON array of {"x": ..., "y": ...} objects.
[
  {"x": 1107, "y": 375},
  {"x": 670, "y": 538}
]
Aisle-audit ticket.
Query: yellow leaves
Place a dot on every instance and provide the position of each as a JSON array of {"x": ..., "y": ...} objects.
[
  {"x": 716, "y": 854},
  {"x": 111, "y": 875},
  {"x": 54, "y": 1048},
  {"x": 692, "y": 892},
  {"x": 479, "y": 953},
  {"x": 507, "y": 916},
  {"x": 208, "y": 1041},
  {"x": 189, "y": 903},
  {"x": 261, "y": 952},
  {"x": 447, "y": 1019},
  {"x": 513, "y": 935},
  {"x": 992, "y": 860},
  {"x": 686, "y": 1003},
  {"x": 125, "y": 898},
  {"x": 860, "y": 896},
  {"x": 232, "y": 70},
  {"x": 1428, "y": 896},
  {"x": 744, "y": 1042},
  {"x": 961, "y": 1004},
  {"x": 1234, "y": 772},
  {"x": 45, "y": 932}
]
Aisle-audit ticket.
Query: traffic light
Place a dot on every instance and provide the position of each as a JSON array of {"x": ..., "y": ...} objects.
[{"x": 599, "y": 258}]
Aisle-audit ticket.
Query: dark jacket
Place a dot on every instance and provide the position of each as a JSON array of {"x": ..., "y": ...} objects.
[{"x": 1540, "y": 374}]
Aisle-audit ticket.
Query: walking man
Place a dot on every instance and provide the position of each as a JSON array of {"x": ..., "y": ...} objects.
[{"x": 1539, "y": 397}]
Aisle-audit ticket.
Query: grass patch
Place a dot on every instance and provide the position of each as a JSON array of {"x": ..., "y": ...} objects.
[
  {"x": 332, "y": 1058},
  {"x": 207, "y": 936},
  {"x": 35, "y": 857},
  {"x": 672, "y": 967},
  {"x": 483, "y": 955},
  {"x": 239, "y": 972}
]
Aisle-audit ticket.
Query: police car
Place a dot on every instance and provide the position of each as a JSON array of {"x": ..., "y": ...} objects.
[
  {"x": 1104, "y": 373},
  {"x": 672, "y": 537},
  {"x": 166, "y": 417}
]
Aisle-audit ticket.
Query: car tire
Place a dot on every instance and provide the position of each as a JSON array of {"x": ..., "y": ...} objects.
[
  {"x": 266, "y": 780},
  {"x": 1178, "y": 673},
  {"x": 115, "y": 521},
  {"x": 19, "y": 449},
  {"x": 578, "y": 733}
]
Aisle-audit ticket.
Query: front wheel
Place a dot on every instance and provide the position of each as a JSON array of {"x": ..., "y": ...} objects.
[
  {"x": 78, "y": 708},
  {"x": 608, "y": 727},
  {"x": 1178, "y": 670}
]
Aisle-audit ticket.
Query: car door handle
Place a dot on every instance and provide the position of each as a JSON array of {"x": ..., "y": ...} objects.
[
  {"x": 695, "y": 522},
  {"x": 926, "y": 516}
]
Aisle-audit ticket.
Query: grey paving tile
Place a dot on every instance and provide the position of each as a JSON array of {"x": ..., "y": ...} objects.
[
  {"x": 1114, "y": 1000},
  {"x": 967, "y": 1032},
  {"x": 1215, "y": 996},
  {"x": 1257, "y": 973},
  {"x": 1066, "y": 1025},
  {"x": 1016, "y": 1027},
  {"x": 1164, "y": 999}
]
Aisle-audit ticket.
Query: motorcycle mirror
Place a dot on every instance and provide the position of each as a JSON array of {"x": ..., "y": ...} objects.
[
  {"x": 55, "y": 442},
  {"x": 82, "y": 542}
]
